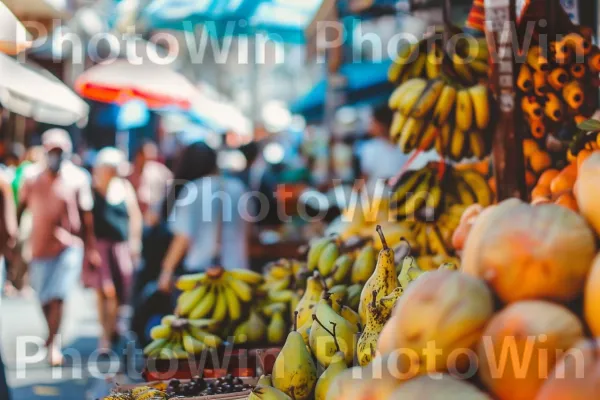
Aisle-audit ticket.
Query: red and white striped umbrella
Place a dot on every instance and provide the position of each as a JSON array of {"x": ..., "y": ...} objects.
[{"x": 121, "y": 81}]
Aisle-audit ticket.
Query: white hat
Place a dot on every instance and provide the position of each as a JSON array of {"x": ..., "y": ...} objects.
[
  {"x": 57, "y": 138},
  {"x": 112, "y": 157}
]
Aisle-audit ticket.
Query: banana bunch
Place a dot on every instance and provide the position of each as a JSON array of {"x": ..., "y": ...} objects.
[
  {"x": 216, "y": 293},
  {"x": 434, "y": 113},
  {"x": 554, "y": 84},
  {"x": 466, "y": 65},
  {"x": 178, "y": 338},
  {"x": 427, "y": 192},
  {"x": 283, "y": 279}
]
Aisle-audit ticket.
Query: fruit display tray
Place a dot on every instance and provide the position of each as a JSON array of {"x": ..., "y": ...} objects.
[
  {"x": 241, "y": 363},
  {"x": 226, "y": 396}
]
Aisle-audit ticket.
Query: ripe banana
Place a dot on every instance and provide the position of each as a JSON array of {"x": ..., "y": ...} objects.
[
  {"x": 234, "y": 307},
  {"x": 220, "y": 311},
  {"x": 417, "y": 69},
  {"x": 464, "y": 110},
  {"x": 241, "y": 289},
  {"x": 481, "y": 105},
  {"x": 477, "y": 144},
  {"x": 402, "y": 60},
  {"x": 187, "y": 300},
  {"x": 398, "y": 95},
  {"x": 205, "y": 305},
  {"x": 457, "y": 144},
  {"x": 246, "y": 275},
  {"x": 189, "y": 282},
  {"x": 433, "y": 66},
  {"x": 411, "y": 96},
  {"x": 478, "y": 186},
  {"x": 430, "y": 133},
  {"x": 462, "y": 69},
  {"x": 411, "y": 132},
  {"x": 428, "y": 98},
  {"x": 445, "y": 105}
]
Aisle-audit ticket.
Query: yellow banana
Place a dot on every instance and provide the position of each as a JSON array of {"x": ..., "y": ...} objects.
[
  {"x": 397, "y": 125},
  {"x": 417, "y": 69},
  {"x": 558, "y": 78},
  {"x": 191, "y": 344},
  {"x": 481, "y": 105},
  {"x": 401, "y": 62},
  {"x": 553, "y": 108},
  {"x": 410, "y": 134},
  {"x": 457, "y": 144},
  {"x": 428, "y": 99},
  {"x": 410, "y": 98},
  {"x": 398, "y": 94},
  {"x": 205, "y": 305},
  {"x": 479, "y": 67},
  {"x": 234, "y": 308},
  {"x": 464, "y": 110},
  {"x": 246, "y": 275},
  {"x": 428, "y": 137},
  {"x": 241, "y": 289},
  {"x": 161, "y": 332},
  {"x": 433, "y": 66},
  {"x": 478, "y": 186},
  {"x": 220, "y": 311},
  {"x": 187, "y": 300},
  {"x": 445, "y": 105},
  {"x": 477, "y": 144},
  {"x": 189, "y": 282},
  {"x": 462, "y": 69}
]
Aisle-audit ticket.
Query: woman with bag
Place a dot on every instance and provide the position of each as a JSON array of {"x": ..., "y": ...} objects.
[{"x": 118, "y": 227}]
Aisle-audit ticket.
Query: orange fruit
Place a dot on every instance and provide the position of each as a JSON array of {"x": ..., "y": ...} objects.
[
  {"x": 567, "y": 200},
  {"x": 582, "y": 156},
  {"x": 547, "y": 177},
  {"x": 540, "y": 161},
  {"x": 530, "y": 179},
  {"x": 539, "y": 192},
  {"x": 564, "y": 181},
  {"x": 529, "y": 147}
]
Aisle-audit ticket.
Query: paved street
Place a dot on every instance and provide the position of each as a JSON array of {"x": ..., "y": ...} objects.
[{"x": 81, "y": 378}]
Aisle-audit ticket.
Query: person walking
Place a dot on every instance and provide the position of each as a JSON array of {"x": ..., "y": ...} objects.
[
  {"x": 118, "y": 229},
  {"x": 8, "y": 232},
  {"x": 58, "y": 195},
  {"x": 206, "y": 215}
]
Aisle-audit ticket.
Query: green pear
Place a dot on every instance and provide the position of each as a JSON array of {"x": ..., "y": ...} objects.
[
  {"x": 306, "y": 305},
  {"x": 335, "y": 368},
  {"x": 294, "y": 371},
  {"x": 321, "y": 340}
]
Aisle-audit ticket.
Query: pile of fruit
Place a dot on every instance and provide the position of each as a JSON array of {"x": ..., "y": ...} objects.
[
  {"x": 449, "y": 108},
  {"x": 139, "y": 393},
  {"x": 558, "y": 85}
]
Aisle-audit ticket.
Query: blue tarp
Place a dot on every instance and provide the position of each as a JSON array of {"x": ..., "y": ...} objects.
[
  {"x": 283, "y": 20},
  {"x": 367, "y": 84}
]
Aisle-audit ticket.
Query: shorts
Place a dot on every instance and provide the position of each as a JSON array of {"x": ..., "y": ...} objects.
[{"x": 54, "y": 278}]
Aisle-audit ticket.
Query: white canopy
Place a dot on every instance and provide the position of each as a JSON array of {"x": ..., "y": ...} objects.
[
  {"x": 36, "y": 93},
  {"x": 13, "y": 35}
]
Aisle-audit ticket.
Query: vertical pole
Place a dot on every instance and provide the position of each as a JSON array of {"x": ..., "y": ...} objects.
[
  {"x": 254, "y": 82},
  {"x": 507, "y": 150}
]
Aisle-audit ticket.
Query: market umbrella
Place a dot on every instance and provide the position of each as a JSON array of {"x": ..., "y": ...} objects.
[
  {"x": 13, "y": 35},
  {"x": 220, "y": 116},
  {"x": 120, "y": 81},
  {"x": 36, "y": 93},
  {"x": 367, "y": 84},
  {"x": 38, "y": 9}
]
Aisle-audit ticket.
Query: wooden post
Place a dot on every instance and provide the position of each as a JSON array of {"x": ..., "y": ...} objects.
[{"x": 507, "y": 150}]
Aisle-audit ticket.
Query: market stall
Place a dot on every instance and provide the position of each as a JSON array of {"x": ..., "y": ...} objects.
[{"x": 422, "y": 291}]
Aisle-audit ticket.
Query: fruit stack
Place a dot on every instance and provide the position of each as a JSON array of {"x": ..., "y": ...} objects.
[
  {"x": 326, "y": 329},
  {"x": 520, "y": 321},
  {"x": 558, "y": 85},
  {"x": 442, "y": 100}
]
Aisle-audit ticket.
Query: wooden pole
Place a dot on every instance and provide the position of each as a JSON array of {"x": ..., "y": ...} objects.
[{"x": 507, "y": 150}]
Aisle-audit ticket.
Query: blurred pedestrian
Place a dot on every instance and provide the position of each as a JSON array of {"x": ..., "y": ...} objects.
[
  {"x": 206, "y": 216},
  {"x": 149, "y": 177},
  {"x": 58, "y": 195},
  {"x": 118, "y": 230},
  {"x": 8, "y": 231}
]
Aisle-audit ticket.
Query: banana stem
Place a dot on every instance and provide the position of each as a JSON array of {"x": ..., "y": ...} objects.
[
  {"x": 296, "y": 320},
  {"x": 382, "y": 237}
]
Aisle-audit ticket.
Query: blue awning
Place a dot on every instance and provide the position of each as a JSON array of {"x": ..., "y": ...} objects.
[
  {"x": 282, "y": 20},
  {"x": 367, "y": 84}
]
